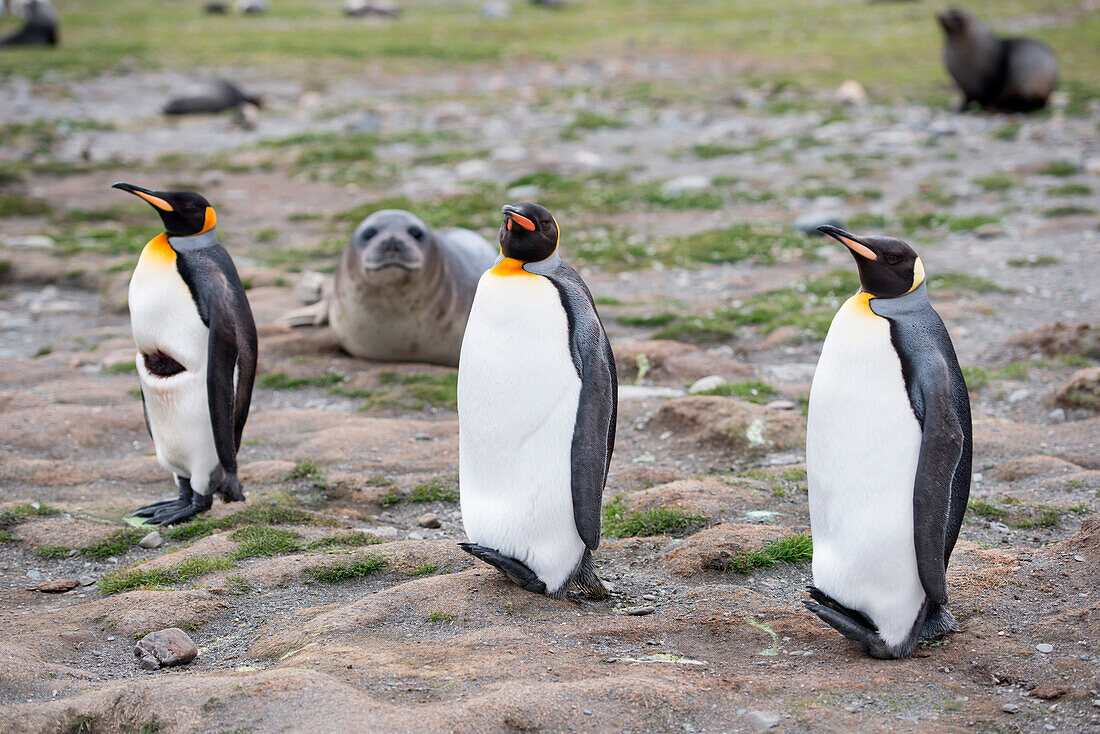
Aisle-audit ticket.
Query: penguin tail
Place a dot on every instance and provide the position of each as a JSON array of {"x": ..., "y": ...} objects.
[
  {"x": 518, "y": 573},
  {"x": 586, "y": 579}
]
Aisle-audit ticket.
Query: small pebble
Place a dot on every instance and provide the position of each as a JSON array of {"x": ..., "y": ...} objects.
[
  {"x": 86, "y": 580},
  {"x": 641, "y": 611},
  {"x": 649, "y": 597},
  {"x": 1010, "y": 708},
  {"x": 1044, "y": 648},
  {"x": 152, "y": 540},
  {"x": 429, "y": 520}
]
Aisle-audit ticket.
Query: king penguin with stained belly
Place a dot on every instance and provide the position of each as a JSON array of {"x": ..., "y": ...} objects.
[
  {"x": 536, "y": 413},
  {"x": 888, "y": 453},
  {"x": 196, "y": 359}
]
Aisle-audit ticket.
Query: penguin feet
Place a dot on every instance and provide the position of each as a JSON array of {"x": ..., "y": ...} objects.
[
  {"x": 516, "y": 571},
  {"x": 850, "y": 623},
  {"x": 586, "y": 578},
  {"x": 229, "y": 488},
  {"x": 169, "y": 512},
  {"x": 938, "y": 623}
]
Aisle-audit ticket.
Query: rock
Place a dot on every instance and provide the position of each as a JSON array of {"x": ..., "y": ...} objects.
[
  {"x": 246, "y": 116},
  {"x": 1044, "y": 648},
  {"x": 685, "y": 184},
  {"x": 29, "y": 242},
  {"x": 385, "y": 531},
  {"x": 988, "y": 231},
  {"x": 251, "y": 7},
  {"x": 496, "y": 9},
  {"x": 1081, "y": 391},
  {"x": 781, "y": 405},
  {"x": 1082, "y": 340},
  {"x": 706, "y": 384},
  {"x": 56, "y": 586},
  {"x": 152, "y": 540},
  {"x": 851, "y": 92},
  {"x": 167, "y": 648},
  {"x": 675, "y": 363},
  {"x": 808, "y": 223},
  {"x": 641, "y": 611},
  {"x": 1057, "y": 415},
  {"x": 429, "y": 520},
  {"x": 762, "y": 720},
  {"x": 312, "y": 286},
  {"x": 1050, "y": 692},
  {"x": 363, "y": 8},
  {"x": 1010, "y": 708},
  {"x": 34, "y": 574},
  {"x": 86, "y": 580}
]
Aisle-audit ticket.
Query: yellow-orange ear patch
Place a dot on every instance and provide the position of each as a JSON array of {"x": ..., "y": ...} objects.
[
  {"x": 156, "y": 201},
  {"x": 918, "y": 275},
  {"x": 211, "y": 220}
]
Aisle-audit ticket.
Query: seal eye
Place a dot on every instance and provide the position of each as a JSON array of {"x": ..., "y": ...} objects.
[
  {"x": 416, "y": 233},
  {"x": 369, "y": 233}
]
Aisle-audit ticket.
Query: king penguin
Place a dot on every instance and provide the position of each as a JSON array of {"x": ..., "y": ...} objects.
[
  {"x": 888, "y": 453},
  {"x": 196, "y": 353},
  {"x": 537, "y": 399}
]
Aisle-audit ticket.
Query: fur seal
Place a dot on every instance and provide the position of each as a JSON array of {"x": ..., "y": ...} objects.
[
  {"x": 403, "y": 291},
  {"x": 1005, "y": 74},
  {"x": 39, "y": 29}
]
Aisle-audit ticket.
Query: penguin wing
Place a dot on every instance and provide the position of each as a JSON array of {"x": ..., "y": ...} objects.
[
  {"x": 594, "y": 428},
  {"x": 231, "y": 348},
  {"x": 942, "y": 443}
]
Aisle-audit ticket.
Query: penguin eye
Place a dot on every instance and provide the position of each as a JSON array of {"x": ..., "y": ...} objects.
[
  {"x": 416, "y": 233},
  {"x": 892, "y": 259},
  {"x": 369, "y": 233}
]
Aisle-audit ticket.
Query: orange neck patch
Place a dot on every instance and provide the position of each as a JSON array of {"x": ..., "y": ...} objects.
[
  {"x": 510, "y": 266},
  {"x": 158, "y": 251}
]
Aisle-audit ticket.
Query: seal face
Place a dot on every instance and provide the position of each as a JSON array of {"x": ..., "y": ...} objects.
[
  {"x": 403, "y": 291},
  {"x": 537, "y": 403},
  {"x": 887, "y": 456}
]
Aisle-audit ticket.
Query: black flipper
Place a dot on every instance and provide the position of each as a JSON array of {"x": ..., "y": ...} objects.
[
  {"x": 857, "y": 628},
  {"x": 594, "y": 428},
  {"x": 517, "y": 572},
  {"x": 822, "y": 598}
]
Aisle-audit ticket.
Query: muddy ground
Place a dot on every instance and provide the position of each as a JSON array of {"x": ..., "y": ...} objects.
[{"x": 301, "y": 627}]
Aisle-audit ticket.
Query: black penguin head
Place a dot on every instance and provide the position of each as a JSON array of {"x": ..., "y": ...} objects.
[
  {"x": 888, "y": 268},
  {"x": 390, "y": 240},
  {"x": 955, "y": 22},
  {"x": 528, "y": 232},
  {"x": 184, "y": 213}
]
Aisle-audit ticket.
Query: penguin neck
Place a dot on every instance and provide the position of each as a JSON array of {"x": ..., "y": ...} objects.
[
  {"x": 914, "y": 300},
  {"x": 199, "y": 241},
  {"x": 544, "y": 267}
]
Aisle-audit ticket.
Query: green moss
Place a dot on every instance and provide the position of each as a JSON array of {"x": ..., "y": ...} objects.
[
  {"x": 51, "y": 552},
  {"x": 264, "y": 540},
  {"x": 348, "y": 570},
  {"x": 21, "y": 513},
  {"x": 976, "y": 377},
  {"x": 1059, "y": 168},
  {"x": 127, "y": 580},
  {"x": 1033, "y": 261},
  {"x": 620, "y": 523},
  {"x": 426, "y": 569},
  {"x": 965, "y": 282},
  {"x": 995, "y": 182},
  {"x": 260, "y": 514},
  {"x": 986, "y": 509},
  {"x": 1068, "y": 210},
  {"x": 1038, "y": 516},
  {"x": 417, "y": 391},
  {"x": 658, "y": 319},
  {"x": 16, "y": 205},
  {"x": 441, "y": 617},
  {"x": 1009, "y": 131},
  {"x": 118, "y": 542},
  {"x": 307, "y": 470},
  {"x": 796, "y": 548},
  {"x": 1070, "y": 189},
  {"x": 753, "y": 391},
  {"x": 345, "y": 540},
  {"x": 587, "y": 120},
  {"x": 280, "y": 381},
  {"x": 390, "y": 498},
  {"x": 440, "y": 489},
  {"x": 238, "y": 586},
  {"x": 121, "y": 368}
]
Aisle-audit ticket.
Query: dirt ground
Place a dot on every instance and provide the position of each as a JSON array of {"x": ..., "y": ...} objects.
[{"x": 409, "y": 633}]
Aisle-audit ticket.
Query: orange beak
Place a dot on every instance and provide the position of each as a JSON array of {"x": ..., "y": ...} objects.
[{"x": 521, "y": 221}]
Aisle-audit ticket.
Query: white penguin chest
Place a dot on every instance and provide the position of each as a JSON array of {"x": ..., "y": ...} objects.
[{"x": 163, "y": 314}]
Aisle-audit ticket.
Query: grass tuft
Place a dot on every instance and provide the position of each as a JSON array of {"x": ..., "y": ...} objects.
[
  {"x": 753, "y": 391},
  {"x": 619, "y": 523},
  {"x": 348, "y": 570},
  {"x": 796, "y": 548},
  {"x": 264, "y": 540},
  {"x": 127, "y": 580},
  {"x": 345, "y": 540}
]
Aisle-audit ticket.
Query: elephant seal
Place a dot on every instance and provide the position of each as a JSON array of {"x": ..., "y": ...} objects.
[
  {"x": 217, "y": 96},
  {"x": 403, "y": 291},
  {"x": 1001, "y": 74},
  {"x": 39, "y": 29}
]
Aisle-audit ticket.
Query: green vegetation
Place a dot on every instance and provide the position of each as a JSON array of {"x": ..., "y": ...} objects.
[
  {"x": 618, "y": 522},
  {"x": 259, "y": 514},
  {"x": 417, "y": 391},
  {"x": 280, "y": 381},
  {"x": 426, "y": 569},
  {"x": 782, "y": 482},
  {"x": 304, "y": 470},
  {"x": 16, "y": 205},
  {"x": 986, "y": 509},
  {"x": 118, "y": 542},
  {"x": 347, "y": 570},
  {"x": 345, "y": 540},
  {"x": 1059, "y": 168},
  {"x": 441, "y": 617},
  {"x": 1068, "y": 210},
  {"x": 20, "y": 514},
  {"x": 753, "y": 391},
  {"x": 995, "y": 182},
  {"x": 51, "y": 552},
  {"x": 795, "y": 548},
  {"x": 264, "y": 540},
  {"x": 238, "y": 586},
  {"x": 1070, "y": 189},
  {"x": 587, "y": 120},
  {"x": 1032, "y": 261},
  {"x": 976, "y": 377},
  {"x": 658, "y": 319},
  {"x": 964, "y": 282},
  {"x": 127, "y": 580}
]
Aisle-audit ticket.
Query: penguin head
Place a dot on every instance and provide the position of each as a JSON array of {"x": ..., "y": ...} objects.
[
  {"x": 528, "y": 232},
  {"x": 184, "y": 213},
  {"x": 390, "y": 241},
  {"x": 888, "y": 267}
]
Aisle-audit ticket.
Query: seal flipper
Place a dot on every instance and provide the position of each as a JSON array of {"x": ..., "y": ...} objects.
[{"x": 516, "y": 571}]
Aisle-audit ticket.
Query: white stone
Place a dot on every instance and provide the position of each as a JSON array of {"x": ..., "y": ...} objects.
[
  {"x": 705, "y": 384},
  {"x": 1045, "y": 648},
  {"x": 685, "y": 184},
  {"x": 152, "y": 540},
  {"x": 851, "y": 92}
]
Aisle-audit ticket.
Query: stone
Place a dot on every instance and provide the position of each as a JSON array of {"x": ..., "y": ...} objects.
[
  {"x": 385, "y": 531},
  {"x": 86, "y": 580},
  {"x": 56, "y": 586},
  {"x": 781, "y": 405},
  {"x": 851, "y": 92},
  {"x": 30, "y": 242},
  {"x": 641, "y": 611},
  {"x": 685, "y": 184},
  {"x": 809, "y": 222},
  {"x": 1018, "y": 396},
  {"x": 167, "y": 648},
  {"x": 706, "y": 384},
  {"x": 152, "y": 540},
  {"x": 246, "y": 116},
  {"x": 474, "y": 170},
  {"x": 1050, "y": 692},
  {"x": 1044, "y": 648},
  {"x": 429, "y": 520},
  {"x": 1082, "y": 390},
  {"x": 762, "y": 720},
  {"x": 988, "y": 231},
  {"x": 1010, "y": 708},
  {"x": 1058, "y": 415}
]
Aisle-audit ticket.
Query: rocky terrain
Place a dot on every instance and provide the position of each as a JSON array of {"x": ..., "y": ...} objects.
[{"x": 336, "y": 598}]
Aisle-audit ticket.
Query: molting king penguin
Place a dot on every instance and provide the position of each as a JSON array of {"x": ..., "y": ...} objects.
[
  {"x": 196, "y": 357},
  {"x": 888, "y": 454},
  {"x": 537, "y": 396}
]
